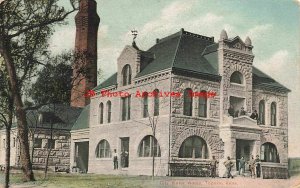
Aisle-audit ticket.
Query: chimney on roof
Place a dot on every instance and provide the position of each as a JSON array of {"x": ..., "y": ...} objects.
[{"x": 182, "y": 30}]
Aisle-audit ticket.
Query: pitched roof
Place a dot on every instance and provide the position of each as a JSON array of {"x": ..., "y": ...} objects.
[
  {"x": 193, "y": 55},
  {"x": 263, "y": 81},
  {"x": 82, "y": 121},
  {"x": 63, "y": 114}
]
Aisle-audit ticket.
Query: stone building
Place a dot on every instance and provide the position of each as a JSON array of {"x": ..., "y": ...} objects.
[
  {"x": 56, "y": 120},
  {"x": 189, "y": 130}
]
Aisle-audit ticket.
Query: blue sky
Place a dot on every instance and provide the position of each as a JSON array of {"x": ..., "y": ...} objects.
[{"x": 272, "y": 25}]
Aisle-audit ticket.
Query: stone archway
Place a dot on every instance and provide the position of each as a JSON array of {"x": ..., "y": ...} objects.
[{"x": 214, "y": 143}]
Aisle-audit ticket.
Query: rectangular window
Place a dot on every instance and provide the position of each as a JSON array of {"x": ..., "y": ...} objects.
[
  {"x": 125, "y": 108},
  {"x": 50, "y": 144},
  {"x": 4, "y": 143},
  {"x": 14, "y": 142},
  {"x": 37, "y": 143}
]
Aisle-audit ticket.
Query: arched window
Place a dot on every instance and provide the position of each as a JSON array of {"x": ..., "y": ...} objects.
[
  {"x": 103, "y": 149},
  {"x": 268, "y": 153},
  {"x": 101, "y": 113},
  {"x": 149, "y": 147},
  {"x": 273, "y": 114},
  {"x": 108, "y": 105},
  {"x": 236, "y": 77},
  {"x": 126, "y": 73},
  {"x": 156, "y": 102},
  {"x": 145, "y": 104},
  {"x": 261, "y": 114},
  {"x": 194, "y": 147},
  {"x": 187, "y": 102},
  {"x": 203, "y": 104}
]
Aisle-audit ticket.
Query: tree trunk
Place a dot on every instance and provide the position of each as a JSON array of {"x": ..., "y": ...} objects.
[
  {"x": 153, "y": 156},
  {"x": 7, "y": 154},
  {"x": 21, "y": 116}
]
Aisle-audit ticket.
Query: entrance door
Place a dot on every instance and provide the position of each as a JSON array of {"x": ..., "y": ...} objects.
[
  {"x": 243, "y": 149},
  {"x": 125, "y": 152},
  {"x": 82, "y": 156}
]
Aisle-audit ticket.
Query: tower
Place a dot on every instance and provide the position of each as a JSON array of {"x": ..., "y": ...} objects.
[{"x": 85, "y": 66}]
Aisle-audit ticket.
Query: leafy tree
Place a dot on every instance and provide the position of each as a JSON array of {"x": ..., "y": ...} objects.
[
  {"x": 25, "y": 28},
  {"x": 54, "y": 83}
]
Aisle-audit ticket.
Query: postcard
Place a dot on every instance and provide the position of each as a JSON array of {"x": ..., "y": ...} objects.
[{"x": 173, "y": 93}]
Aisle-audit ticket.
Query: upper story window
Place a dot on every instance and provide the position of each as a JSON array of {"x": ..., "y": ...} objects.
[
  {"x": 145, "y": 105},
  {"x": 273, "y": 114},
  {"x": 187, "y": 102},
  {"x": 261, "y": 113},
  {"x": 156, "y": 102},
  {"x": 237, "y": 78},
  {"x": 108, "y": 106},
  {"x": 126, "y": 75},
  {"x": 101, "y": 113},
  {"x": 125, "y": 102},
  {"x": 203, "y": 104},
  {"x": 37, "y": 143}
]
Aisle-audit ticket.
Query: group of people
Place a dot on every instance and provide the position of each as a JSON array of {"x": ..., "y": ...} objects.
[
  {"x": 242, "y": 112},
  {"x": 254, "y": 166},
  {"x": 124, "y": 159}
]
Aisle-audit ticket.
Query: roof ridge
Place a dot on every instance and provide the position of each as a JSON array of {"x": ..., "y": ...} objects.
[
  {"x": 177, "y": 47},
  {"x": 198, "y": 36},
  {"x": 168, "y": 37}
]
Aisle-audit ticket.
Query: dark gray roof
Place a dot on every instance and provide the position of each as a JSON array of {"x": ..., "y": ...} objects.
[
  {"x": 192, "y": 55},
  {"x": 63, "y": 116},
  {"x": 82, "y": 121},
  {"x": 263, "y": 81}
]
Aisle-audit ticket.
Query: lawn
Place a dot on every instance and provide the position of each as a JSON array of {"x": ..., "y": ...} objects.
[{"x": 113, "y": 181}]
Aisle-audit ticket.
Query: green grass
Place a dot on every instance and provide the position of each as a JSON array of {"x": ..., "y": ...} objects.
[{"x": 86, "y": 180}]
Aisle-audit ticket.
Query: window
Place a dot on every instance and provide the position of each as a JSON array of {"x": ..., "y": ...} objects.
[
  {"x": 103, "y": 149},
  {"x": 125, "y": 108},
  {"x": 145, "y": 104},
  {"x": 108, "y": 105},
  {"x": 236, "y": 77},
  {"x": 187, "y": 102},
  {"x": 37, "y": 143},
  {"x": 4, "y": 143},
  {"x": 261, "y": 114},
  {"x": 126, "y": 73},
  {"x": 101, "y": 113},
  {"x": 268, "y": 153},
  {"x": 145, "y": 146},
  {"x": 194, "y": 147},
  {"x": 156, "y": 102},
  {"x": 203, "y": 104},
  {"x": 273, "y": 114},
  {"x": 50, "y": 144}
]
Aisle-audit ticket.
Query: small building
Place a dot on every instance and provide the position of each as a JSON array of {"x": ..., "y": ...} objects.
[{"x": 49, "y": 127}]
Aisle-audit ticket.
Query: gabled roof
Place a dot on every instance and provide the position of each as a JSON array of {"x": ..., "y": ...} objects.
[{"x": 82, "y": 121}]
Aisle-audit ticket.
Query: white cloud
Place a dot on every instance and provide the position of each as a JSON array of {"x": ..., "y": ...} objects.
[
  {"x": 277, "y": 62},
  {"x": 176, "y": 8},
  {"x": 63, "y": 39},
  {"x": 259, "y": 31}
]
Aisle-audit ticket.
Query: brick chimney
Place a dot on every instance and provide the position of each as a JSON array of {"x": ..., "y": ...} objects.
[{"x": 85, "y": 66}]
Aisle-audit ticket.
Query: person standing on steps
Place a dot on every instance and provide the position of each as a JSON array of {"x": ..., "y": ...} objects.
[
  {"x": 213, "y": 167},
  {"x": 228, "y": 164},
  {"x": 252, "y": 166}
]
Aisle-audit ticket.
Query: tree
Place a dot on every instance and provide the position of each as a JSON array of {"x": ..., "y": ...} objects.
[
  {"x": 6, "y": 116},
  {"x": 54, "y": 83},
  {"x": 25, "y": 27},
  {"x": 159, "y": 102}
]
